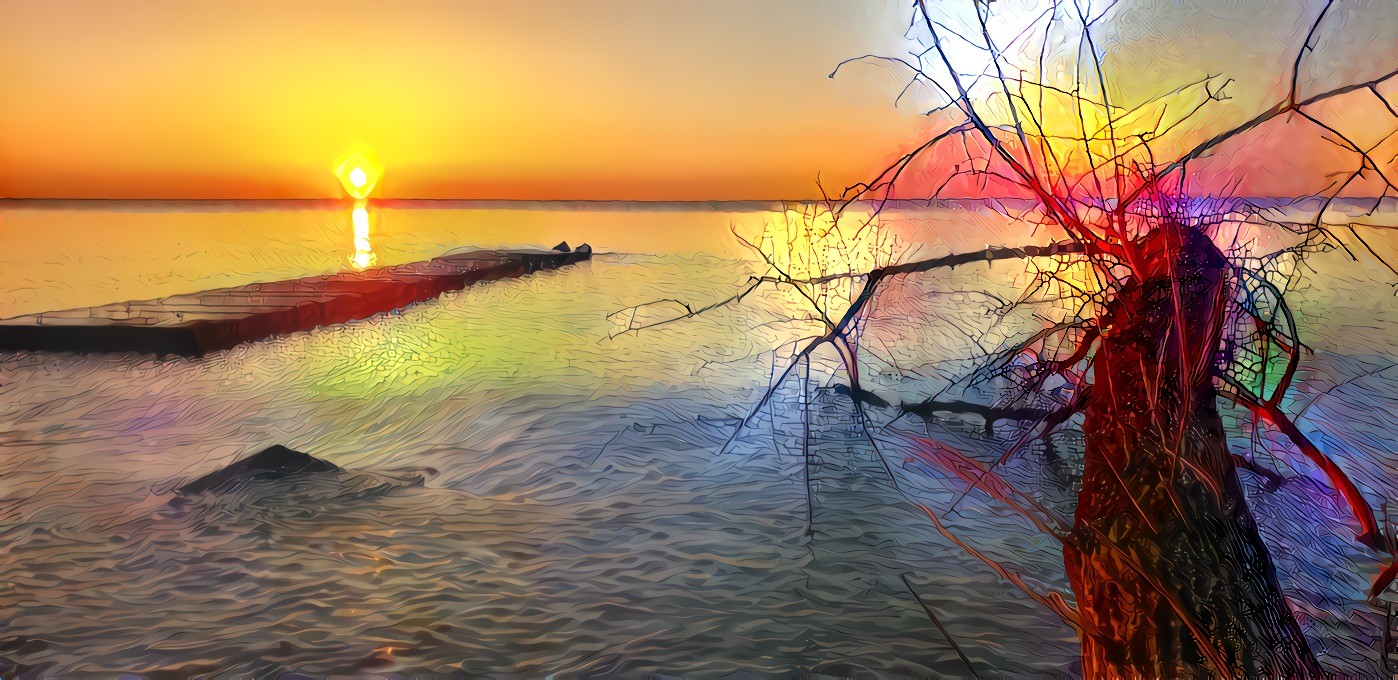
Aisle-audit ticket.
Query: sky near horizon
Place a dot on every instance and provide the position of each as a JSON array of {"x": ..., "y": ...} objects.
[{"x": 611, "y": 99}]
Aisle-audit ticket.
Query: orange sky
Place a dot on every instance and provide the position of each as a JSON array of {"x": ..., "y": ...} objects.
[
  {"x": 611, "y": 99},
  {"x": 607, "y": 99}
]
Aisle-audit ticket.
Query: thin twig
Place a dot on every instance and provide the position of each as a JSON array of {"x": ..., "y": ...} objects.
[{"x": 938, "y": 623}]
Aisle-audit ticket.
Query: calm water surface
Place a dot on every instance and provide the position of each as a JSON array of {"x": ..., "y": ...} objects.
[{"x": 524, "y": 493}]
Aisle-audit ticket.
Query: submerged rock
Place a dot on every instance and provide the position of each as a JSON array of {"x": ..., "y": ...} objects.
[
  {"x": 268, "y": 464},
  {"x": 562, "y": 247}
]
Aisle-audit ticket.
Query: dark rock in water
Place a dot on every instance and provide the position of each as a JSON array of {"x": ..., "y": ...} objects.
[
  {"x": 584, "y": 248},
  {"x": 268, "y": 464},
  {"x": 562, "y": 247}
]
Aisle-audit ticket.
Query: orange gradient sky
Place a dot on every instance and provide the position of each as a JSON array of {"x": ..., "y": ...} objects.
[{"x": 612, "y": 99}]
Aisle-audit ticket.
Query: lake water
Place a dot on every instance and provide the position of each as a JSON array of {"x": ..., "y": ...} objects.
[{"x": 526, "y": 491}]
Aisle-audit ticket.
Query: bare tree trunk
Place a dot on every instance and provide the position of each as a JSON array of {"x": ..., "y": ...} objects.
[{"x": 1171, "y": 576}]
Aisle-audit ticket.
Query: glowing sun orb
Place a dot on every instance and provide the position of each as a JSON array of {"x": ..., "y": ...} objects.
[{"x": 359, "y": 174}]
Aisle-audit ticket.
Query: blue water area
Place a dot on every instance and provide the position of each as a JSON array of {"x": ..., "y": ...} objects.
[{"x": 527, "y": 488}]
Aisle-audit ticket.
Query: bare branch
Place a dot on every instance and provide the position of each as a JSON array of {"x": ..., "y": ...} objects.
[
  {"x": 1278, "y": 109},
  {"x": 1306, "y": 46},
  {"x": 1369, "y": 533}
]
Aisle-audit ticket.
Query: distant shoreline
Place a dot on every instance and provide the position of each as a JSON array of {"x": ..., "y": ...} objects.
[
  {"x": 222, "y": 204},
  {"x": 455, "y": 203}
]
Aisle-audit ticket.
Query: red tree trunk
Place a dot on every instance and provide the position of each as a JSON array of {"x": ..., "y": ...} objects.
[{"x": 1171, "y": 576}]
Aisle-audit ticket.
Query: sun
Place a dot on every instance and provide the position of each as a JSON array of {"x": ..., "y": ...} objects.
[
  {"x": 359, "y": 173},
  {"x": 358, "y": 177}
]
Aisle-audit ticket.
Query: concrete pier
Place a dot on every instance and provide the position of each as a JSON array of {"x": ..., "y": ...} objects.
[{"x": 199, "y": 323}]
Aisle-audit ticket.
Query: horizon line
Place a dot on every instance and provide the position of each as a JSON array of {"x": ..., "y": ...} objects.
[{"x": 947, "y": 199}]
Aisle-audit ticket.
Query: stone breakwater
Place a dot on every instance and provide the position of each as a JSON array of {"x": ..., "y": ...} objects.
[{"x": 199, "y": 323}]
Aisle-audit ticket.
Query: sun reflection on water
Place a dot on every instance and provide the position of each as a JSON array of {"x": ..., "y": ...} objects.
[
  {"x": 806, "y": 245},
  {"x": 363, "y": 251}
]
